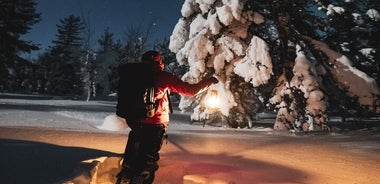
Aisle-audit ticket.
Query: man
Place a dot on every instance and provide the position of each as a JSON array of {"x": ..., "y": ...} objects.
[{"x": 146, "y": 135}]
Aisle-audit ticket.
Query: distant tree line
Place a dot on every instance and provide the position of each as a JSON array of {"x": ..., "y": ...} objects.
[{"x": 70, "y": 67}]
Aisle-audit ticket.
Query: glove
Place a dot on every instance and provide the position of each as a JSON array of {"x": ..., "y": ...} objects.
[
  {"x": 208, "y": 81},
  {"x": 213, "y": 80}
]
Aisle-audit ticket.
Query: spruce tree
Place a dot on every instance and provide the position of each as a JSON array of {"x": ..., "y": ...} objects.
[
  {"x": 135, "y": 45},
  {"x": 64, "y": 67},
  {"x": 266, "y": 54},
  {"x": 106, "y": 61},
  {"x": 16, "y": 18},
  {"x": 352, "y": 29}
]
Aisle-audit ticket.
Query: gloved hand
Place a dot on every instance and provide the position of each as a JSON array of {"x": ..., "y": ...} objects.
[
  {"x": 213, "y": 80},
  {"x": 208, "y": 81}
]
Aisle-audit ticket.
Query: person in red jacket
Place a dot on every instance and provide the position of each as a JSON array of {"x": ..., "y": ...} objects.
[{"x": 146, "y": 137}]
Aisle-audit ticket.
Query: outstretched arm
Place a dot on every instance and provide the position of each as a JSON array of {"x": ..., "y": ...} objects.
[{"x": 177, "y": 85}]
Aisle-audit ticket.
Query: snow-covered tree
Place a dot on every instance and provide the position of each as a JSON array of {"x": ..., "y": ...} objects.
[
  {"x": 352, "y": 29},
  {"x": 265, "y": 53}
]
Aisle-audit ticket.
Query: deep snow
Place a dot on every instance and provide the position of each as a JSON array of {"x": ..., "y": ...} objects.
[{"x": 193, "y": 153}]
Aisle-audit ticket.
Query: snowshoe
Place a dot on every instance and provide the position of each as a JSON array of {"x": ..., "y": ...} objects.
[
  {"x": 141, "y": 179},
  {"x": 123, "y": 177}
]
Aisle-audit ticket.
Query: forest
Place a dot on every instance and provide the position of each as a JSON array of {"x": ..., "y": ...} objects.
[{"x": 302, "y": 60}]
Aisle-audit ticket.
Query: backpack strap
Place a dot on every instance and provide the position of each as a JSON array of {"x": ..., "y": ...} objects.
[
  {"x": 170, "y": 103},
  {"x": 150, "y": 103}
]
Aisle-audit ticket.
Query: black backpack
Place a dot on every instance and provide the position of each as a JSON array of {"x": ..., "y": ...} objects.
[{"x": 135, "y": 96}]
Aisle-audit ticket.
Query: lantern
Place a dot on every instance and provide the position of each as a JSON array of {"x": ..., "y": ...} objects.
[{"x": 213, "y": 101}]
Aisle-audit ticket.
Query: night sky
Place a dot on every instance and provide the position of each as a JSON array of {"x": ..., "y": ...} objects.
[{"x": 118, "y": 15}]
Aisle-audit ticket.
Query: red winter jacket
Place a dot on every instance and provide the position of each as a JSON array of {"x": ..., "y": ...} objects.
[{"x": 168, "y": 82}]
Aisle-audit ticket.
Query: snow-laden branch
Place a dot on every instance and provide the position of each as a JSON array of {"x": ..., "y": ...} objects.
[
  {"x": 179, "y": 36},
  {"x": 357, "y": 83},
  {"x": 256, "y": 66}
]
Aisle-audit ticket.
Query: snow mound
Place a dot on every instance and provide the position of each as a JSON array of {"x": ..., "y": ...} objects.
[
  {"x": 113, "y": 123},
  {"x": 103, "y": 170}
]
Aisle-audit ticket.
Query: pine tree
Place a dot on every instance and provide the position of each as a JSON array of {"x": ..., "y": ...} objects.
[
  {"x": 135, "y": 45},
  {"x": 64, "y": 67},
  {"x": 353, "y": 26},
  {"x": 130, "y": 52},
  {"x": 265, "y": 54},
  {"x": 16, "y": 18},
  {"x": 106, "y": 61}
]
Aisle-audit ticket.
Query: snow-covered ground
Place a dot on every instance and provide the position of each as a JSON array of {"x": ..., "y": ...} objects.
[{"x": 194, "y": 154}]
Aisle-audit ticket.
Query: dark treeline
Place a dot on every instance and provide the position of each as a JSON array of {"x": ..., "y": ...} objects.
[{"x": 70, "y": 67}]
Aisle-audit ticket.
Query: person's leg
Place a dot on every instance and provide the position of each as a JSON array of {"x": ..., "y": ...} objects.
[
  {"x": 131, "y": 150},
  {"x": 149, "y": 148},
  {"x": 129, "y": 165}
]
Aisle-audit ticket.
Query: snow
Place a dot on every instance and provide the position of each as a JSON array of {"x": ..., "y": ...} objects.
[
  {"x": 224, "y": 14},
  {"x": 256, "y": 66},
  {"x": 197, "y": 25},
  {"x": 228, "y": 48},
  {"x": 199, "y": 154},
  {"x": 373, "y": 14},
  {"x": 179, "y": 36},
  {"x": 188, "y": 8},
  {"x": 113, "y": 123},
  {"x": 213, "y": 24},
  {"x": 304, "y": 79},
  {"x": 205, "y": 5},
  {"x": 331, "y": 10},
  {"x": 368, "y": 52}
]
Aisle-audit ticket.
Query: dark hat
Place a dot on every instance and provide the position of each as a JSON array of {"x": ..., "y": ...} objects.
[{"x": 151, "y": 56}]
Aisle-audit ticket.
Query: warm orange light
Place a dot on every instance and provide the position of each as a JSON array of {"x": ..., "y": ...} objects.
[{"x": 213, "y": 100}]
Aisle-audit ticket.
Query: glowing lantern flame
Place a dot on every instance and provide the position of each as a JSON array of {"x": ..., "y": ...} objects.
[{"x": 213, "y": 101}]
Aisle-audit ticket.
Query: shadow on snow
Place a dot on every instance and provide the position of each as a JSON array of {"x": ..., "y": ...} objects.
[{"x": 42, "y": 163}]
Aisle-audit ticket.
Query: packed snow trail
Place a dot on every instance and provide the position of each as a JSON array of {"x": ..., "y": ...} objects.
[
  {"x": 208, "y": 156},
  {"x": 47, "y": 141}
]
